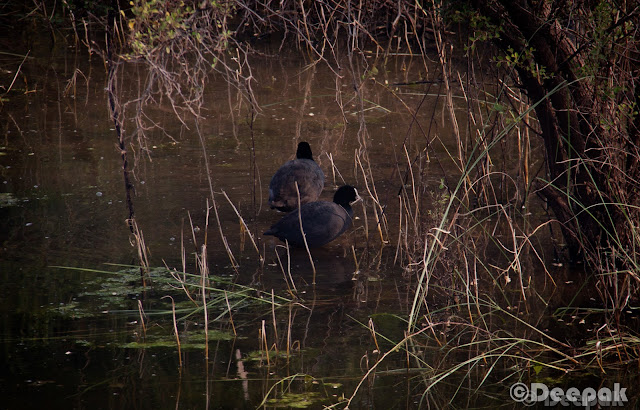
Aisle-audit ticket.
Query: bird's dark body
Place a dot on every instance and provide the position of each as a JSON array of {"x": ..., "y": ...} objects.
[
  {"x": 322, "y": 221},
  {"x": 283, "y": 195}
]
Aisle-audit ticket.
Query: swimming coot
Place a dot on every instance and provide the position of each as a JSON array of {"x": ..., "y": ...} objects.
[
  {"x": 304, "y": 170},
  {"x": 322, "y": 221}
]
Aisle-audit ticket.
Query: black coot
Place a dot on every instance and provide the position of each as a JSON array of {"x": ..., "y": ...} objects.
[
  {"x": 322, "y": 221},
  {"x": 304, "y": 170}
]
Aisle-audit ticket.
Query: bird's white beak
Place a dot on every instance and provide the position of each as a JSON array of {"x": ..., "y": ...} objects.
[{"x": 358, "y": 197}]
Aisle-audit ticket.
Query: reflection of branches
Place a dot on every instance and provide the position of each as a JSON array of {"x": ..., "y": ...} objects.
[
  {"x": 179, "y": 57},
  {"x": 180, "y": 47}
]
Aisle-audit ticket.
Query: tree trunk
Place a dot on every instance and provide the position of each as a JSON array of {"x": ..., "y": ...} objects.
[{"x": 591, "y": 152}]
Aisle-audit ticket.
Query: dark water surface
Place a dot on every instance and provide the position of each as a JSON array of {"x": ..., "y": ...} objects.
[
  {"x": 69, "y": 335},
  {"x": 71, "y": 338}
]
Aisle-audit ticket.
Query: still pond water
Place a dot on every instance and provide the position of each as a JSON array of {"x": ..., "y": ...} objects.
[{"x": 74, "y": 338}]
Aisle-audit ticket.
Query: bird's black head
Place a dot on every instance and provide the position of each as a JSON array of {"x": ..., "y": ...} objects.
[
  {"x": 346, "y": 195},
  {"x": 304, "y": 151}
]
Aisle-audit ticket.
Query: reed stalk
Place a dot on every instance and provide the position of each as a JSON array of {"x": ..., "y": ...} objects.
[
  {"x": 175, "y": 328},
  {"x": 304, "y": 236}
]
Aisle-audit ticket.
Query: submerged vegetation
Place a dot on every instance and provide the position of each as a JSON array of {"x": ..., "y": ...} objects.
[{"x": 556, "y": 82}]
